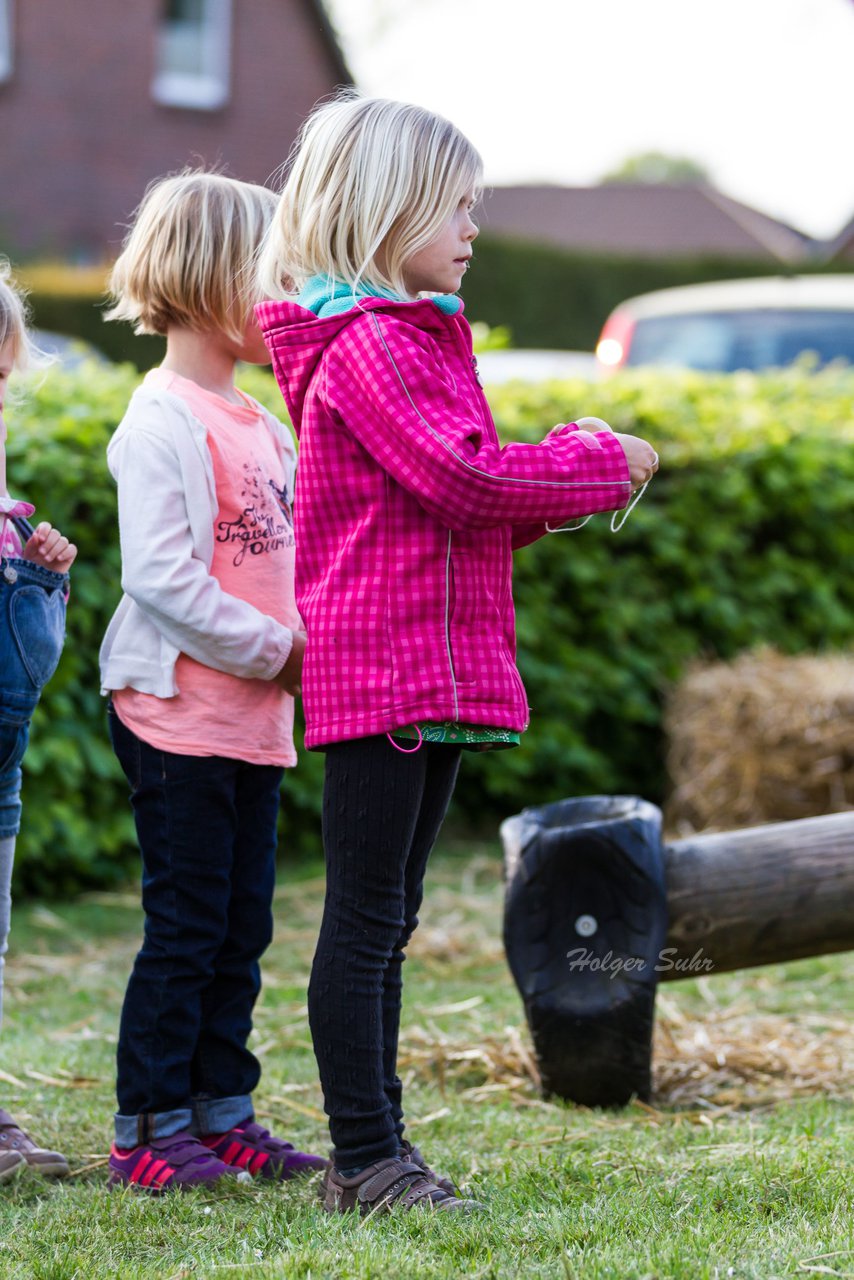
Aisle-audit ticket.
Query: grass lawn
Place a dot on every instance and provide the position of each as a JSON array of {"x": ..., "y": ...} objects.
[{"x": 743, "y": 1167}]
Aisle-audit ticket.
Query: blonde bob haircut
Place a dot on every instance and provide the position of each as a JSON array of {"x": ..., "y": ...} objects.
[
  {"x": 370, "y": 183},
  {"x": 188, "y": 259}
]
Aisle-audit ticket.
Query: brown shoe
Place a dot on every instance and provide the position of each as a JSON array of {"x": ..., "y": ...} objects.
[
  {"x": 14, "y": 1142},
  {"x": 10, "y": 1163},
  {"x": 414, "y": 1156},
  {"x": 406, "y": 1151},
  {"x": 393, "y": 1185}
]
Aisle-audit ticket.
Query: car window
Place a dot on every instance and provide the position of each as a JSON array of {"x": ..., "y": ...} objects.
[{"x": 730, "y": 340}]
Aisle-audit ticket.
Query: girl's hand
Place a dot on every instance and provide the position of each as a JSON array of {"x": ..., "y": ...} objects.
[
  {"x": 290, "y": 676},
  {"x": 49, "y": 548},
  {"x": 641, "y": 457}
]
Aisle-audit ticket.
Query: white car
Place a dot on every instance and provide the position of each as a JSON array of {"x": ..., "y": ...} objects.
[
  {"x": 734, "y": 324},
  {"x": 499, "y": 366}
]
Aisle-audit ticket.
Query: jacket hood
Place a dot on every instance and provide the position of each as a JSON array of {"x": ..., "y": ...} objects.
[{"x": 297, "y": 338}]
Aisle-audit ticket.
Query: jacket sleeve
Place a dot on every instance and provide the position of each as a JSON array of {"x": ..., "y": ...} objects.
[
  {"x": 387, "y": 382},
  {"x": 163, "y": 574}
]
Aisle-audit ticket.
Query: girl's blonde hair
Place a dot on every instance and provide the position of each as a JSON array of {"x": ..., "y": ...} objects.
[
  {"x": 370, "y": 183},
  {"x": 14, "y": 321},
  {"x": 189, "y": 256}
]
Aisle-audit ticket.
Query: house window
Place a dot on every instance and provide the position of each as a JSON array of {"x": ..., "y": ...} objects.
[
  {"x": 193, "y": 54},
  {"x": 5, "y": 39}
]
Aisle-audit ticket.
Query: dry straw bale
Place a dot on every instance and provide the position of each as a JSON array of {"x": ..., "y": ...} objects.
[
  {"x": 734, "y": 1058},
  {"x": 765, "y": 738}
]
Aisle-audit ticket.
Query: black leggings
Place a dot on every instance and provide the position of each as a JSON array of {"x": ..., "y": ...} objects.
[{"x": 382, "y": 811}]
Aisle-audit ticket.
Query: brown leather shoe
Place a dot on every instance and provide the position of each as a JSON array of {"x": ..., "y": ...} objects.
[
  {"x": 393, "y": 1185},
  {"x": 14, "y": 1142},
  {"x": 406, "y": 1151},
  {"x": 10, "y": 1163},
  {"x": 414, "y": 1156}
]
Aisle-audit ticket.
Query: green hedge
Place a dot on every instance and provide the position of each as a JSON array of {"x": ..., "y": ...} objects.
[
  {"x": 554, "y": 299},
  {"x": 83, "y": 317},
  {"x": 746, "y": 536}
]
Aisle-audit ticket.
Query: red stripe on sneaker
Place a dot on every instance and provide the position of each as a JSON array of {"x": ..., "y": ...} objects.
[
  {"x": 141, "y": 1165},
  {"x": 151, "y": 1174},
  {"x": 258, "y": 1161},
  {"x": 245, "y": 1156},
  {"x": 228, "y": 1155}
]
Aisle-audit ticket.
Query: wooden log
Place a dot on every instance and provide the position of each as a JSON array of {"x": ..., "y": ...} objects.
[{"x": 761, "y": 895}]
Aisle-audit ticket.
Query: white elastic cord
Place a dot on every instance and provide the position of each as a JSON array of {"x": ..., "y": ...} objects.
[
  {"x": 618, "y": 518},
  {"x": 570, "y": 528},
  {"x": 622, "y": 516}
]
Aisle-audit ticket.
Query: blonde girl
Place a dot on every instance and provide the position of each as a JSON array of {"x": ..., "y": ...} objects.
[
  {"x": 201, "y": 660},
  {"x": 407, "y": 511}
]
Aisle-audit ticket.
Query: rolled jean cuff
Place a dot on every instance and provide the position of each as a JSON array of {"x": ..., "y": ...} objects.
[
  {"x": 218, "y": 1115},
  {"x": 136, "y": 1131}
]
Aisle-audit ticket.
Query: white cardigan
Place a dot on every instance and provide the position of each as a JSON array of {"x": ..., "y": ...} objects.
[{"x": 159, "y": 457}]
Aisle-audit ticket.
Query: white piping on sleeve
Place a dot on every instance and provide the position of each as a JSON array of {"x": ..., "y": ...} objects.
[{"x": 485, "y": 475}]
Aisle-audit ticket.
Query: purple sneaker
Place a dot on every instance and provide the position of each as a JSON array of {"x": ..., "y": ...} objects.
[
  {"x": 254, "y": 1149},
  {"x": 175, "y": 1163}
]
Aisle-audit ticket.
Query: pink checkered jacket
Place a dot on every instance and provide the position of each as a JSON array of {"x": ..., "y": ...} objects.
[{"x": 407, "y": 509}]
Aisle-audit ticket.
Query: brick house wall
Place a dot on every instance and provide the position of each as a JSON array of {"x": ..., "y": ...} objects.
[{"x": 83, "y": 135}]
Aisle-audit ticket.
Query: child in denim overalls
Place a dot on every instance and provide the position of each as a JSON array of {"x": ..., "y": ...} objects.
[{"x": 33, "y": 591}]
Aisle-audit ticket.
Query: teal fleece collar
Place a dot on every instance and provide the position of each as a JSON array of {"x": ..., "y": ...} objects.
[{"x": 327, "y": 297}]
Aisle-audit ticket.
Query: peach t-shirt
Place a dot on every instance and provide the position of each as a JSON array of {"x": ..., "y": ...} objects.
[{"x": 214, "y": 713}]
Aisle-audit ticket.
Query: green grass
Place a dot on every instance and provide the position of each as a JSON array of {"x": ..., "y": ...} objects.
[{"x": 742, "y": 1168}]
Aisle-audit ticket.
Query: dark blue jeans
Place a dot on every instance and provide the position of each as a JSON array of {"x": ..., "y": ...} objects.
[
  {"x": 382, "y": 811},
  {"x": 206, "y": 827}
]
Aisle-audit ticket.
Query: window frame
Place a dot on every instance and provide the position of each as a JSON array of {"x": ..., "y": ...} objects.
[
  {"x": 209, "y": 90},
  {"x": 7, "y": 60}
]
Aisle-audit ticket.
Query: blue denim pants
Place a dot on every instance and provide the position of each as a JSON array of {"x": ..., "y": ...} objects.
[
  {"x": 32, "y": 630},
  {"x": 206, "y": 827}
]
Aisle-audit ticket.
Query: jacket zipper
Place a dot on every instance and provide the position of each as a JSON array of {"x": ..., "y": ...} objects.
[
  {"x": 448, "y": 626},
  {"x": 507, "y": 586}
]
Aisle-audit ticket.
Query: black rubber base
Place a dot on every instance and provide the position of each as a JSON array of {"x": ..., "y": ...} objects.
[{"x": 585, "y": 921}]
